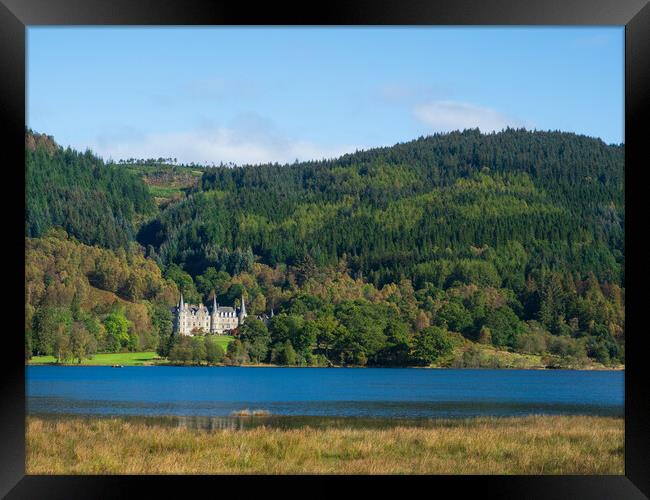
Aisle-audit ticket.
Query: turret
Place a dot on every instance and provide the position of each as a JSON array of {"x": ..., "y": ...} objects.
[
  {"x": 242, "y": 310},
  {"x": 179, "y": 315},
  {"x": 213, "y": 316}
]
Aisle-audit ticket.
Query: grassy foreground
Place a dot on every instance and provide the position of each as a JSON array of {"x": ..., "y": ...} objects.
[{"x": 526, "y": 445}]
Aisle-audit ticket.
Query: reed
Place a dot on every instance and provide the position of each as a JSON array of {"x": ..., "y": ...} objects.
[
  {"x": 524, "y": 445},
  {"x": 250, "y": 413}
]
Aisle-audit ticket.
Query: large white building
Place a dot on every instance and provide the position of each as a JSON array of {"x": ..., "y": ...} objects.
[{"x": 193, "y": 319}]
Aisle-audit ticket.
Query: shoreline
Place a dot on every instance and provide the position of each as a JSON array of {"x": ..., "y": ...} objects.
[
  {"x": 177, "y": 365},
  {"x": 247, "y": 420},
  {"x": 496, "y": 360}
]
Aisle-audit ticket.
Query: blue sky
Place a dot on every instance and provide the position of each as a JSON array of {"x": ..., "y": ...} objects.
[{"x": 251, "y": 95}]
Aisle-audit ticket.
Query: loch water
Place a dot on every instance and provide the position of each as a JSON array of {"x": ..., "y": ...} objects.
[{"x": 194, "y": 394}]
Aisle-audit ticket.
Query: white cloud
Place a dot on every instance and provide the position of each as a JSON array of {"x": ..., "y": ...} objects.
[
  {"x": 444, "y": 116},
  {"x": 216, "y": 145}
]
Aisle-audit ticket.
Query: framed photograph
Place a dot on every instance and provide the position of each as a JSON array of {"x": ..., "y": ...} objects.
[{"x": 369, "y": 241}]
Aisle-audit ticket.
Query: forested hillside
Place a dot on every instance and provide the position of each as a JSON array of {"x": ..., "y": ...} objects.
[
  {"x": 413, "y": 254},
  {"x": 96, "y": 203},
  {"x": 80, "y": 299},
  {"x": 511, "y": 202}
]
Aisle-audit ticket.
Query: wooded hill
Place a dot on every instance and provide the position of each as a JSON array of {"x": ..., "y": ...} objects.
[
  {"x": 514, "y": 239},
  {"x": 531, "y": 199},
  {"x": 97, "y": 203}
]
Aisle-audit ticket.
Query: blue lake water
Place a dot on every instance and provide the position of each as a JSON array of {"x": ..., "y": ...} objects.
[{"x": 342, "y": 392}]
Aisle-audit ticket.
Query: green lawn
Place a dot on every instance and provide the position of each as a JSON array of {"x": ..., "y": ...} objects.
[
  {"x": 124, "y": 358},
  {"x": 224, "y": 340},
  {"x": 117, "y": 358}
]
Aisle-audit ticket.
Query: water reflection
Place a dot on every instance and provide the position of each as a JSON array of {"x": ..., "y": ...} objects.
[
  {"x": 273, "y": 410},
  {"x": 231, "y": 423}
]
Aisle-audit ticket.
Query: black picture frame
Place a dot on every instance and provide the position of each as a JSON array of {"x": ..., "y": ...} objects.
[{"x": 16, "y": 15}]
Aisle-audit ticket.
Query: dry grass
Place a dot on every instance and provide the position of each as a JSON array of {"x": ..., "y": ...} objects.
[{"x": 526, "y": 445}]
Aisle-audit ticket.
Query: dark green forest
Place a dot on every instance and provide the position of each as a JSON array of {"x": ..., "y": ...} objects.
[
  {"x": 417, "y": 253},
  {"x": 96, "y": 203}
]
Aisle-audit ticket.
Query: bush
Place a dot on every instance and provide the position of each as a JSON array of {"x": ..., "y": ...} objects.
[
  {"x": 361, "y": 359},
  {"x": 214, "y": 353},
  {"x": 236, "y": 353},
  {"x": 319, "y": 360},
  {"x": 475, "y": 357},
  {"x": 198, "y": 349},
  {"x": 505, "y": 326},
  {"x": 134, "y": 342},
  {"x": 283, "y": 354},
  {"x": 485, "y": 335},
  {"x": 255, "y": 336},
  {"x": 166, "y": 344},
  {"x": 182, "y": 351},
  {"x": 432, "y": 343},
  {"x": 532, "y": 343},
  {"x": 117, "y": 331},
  {"x": 567, "y": 347},
  {"x": 453, "y": 316}
]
